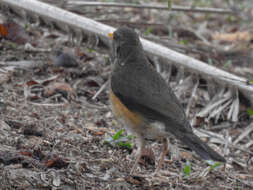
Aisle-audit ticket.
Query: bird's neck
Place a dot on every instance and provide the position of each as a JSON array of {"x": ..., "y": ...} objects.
[{"x": 129, "y": 53}]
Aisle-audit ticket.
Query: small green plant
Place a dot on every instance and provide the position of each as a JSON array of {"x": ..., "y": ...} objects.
[
  {"x": 169, "y": 5},
  {"x": 12, "y": 45},
  {"x": 228, "y": 64},
  {"x": 119, "y": 140},
  {"x": 117, "y": 135},
  {"x": 231, "y": 19},
  {"x": 213, "y": 165},
  {"x": 187, "y": 169},
  {"x": 250, "y": 112},
  {"x": 148, "y": 30},
  {"x": 251, "y": 82},
  {"x": 27, "y": 26},
  {"x": 210, "y": 61},
  {"x": 183, "y": 42},
  {"x": 90, "y": 50}
]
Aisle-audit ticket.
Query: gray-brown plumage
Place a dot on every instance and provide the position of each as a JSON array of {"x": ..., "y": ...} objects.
[{"x": 150, "y": 108}]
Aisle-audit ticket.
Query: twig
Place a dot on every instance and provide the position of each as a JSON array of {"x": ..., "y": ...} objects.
[
  {"x": 100, "y": 90},
  {"x": 192, "y": 98},
  {"x": 228, "y": 140},
  {"x": 249, "y": 184},
  {"x": 246, "y": 131},
  {"x": 249, "y": 144},
  {"x": 85, "y": 103},
  {"x": 212, "y": 105},
  {"x": 38, "y": 104},
  {"x": 128, "y": 22},
  {"x": 221, "y": 126},
  {"x": 21, "y": 64},
  {"x": 217, "y": 111},
  {"x": 78, "y": 129},
  {"x": 210, "y": 134},
  {"x": 234, "y": 108},
  {"x": 241, "y": 149},
  {"x": 71, "y": 4}
]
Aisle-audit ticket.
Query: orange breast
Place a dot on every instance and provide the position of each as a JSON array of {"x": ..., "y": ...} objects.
[{"x": 132, "y": 119}]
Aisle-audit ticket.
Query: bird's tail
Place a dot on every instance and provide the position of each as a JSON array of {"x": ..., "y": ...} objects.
[{"x": 201, "y": 148}]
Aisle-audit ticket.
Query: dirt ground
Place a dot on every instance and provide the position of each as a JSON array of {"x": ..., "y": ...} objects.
[{"x": 53, "y": 130}]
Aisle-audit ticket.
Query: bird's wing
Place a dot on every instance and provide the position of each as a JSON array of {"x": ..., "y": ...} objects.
[{"x": 149, "y": 95}]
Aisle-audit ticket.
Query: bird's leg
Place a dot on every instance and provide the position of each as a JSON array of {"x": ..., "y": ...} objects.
[
  {"x": 140, "y": 150},
  {"x": 163, "y": 153}
]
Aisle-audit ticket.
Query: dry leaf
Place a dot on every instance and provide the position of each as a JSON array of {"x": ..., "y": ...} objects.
[
  {"x": 31, "y": 83},
  {"x": 230, "y": 37},
  {"x": 97, "y": 131},
  {"x": 55, "y": 87},
  {"x": 186, "y": 155},
  {"x": 148, "y": 157},
  {"x": 13, "y": 32}
]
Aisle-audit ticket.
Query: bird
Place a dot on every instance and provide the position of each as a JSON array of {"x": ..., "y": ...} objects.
[{"x": 143, "y": 101}]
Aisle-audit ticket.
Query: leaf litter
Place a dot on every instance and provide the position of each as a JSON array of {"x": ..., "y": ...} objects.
[{"x": 50, "y": 139}]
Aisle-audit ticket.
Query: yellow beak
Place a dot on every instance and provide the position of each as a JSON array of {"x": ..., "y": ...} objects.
[{"x": 111, "y": 35}]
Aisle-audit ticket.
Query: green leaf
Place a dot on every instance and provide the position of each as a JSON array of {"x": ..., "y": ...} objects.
[
  {"x": 117, "y": 135},
  {"x": 12, "y": 45},
  {"x": 125, "y": 145},
  {"x": 210, "y": 61},
  {"x": 148, "y": 31},
  {"x": 27, "y": 26},
  {"x": 187, "y": 169},
  {"x": 215, "y": 165},
  {"x": 250, "y": 112},
  {"x": 90, "y": 50},
  {"x": 169, "y": 5},
  {"x": 119, "y": 140},
  {"x": 251, "y": 82},
  {"x": 130, "y": 137},
  {"x": 108, "y": 140},
  {"x": 228, "y": 64},
  {"x": 230, "y": 18},
  {"x": 183, "y": 42}
]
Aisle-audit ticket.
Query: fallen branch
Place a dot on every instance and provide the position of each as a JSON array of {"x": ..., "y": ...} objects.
[
  {"x": 22, "y": 64},
  {"x": 80, "y": 4},
  {"x": 71, "y": 22}
]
